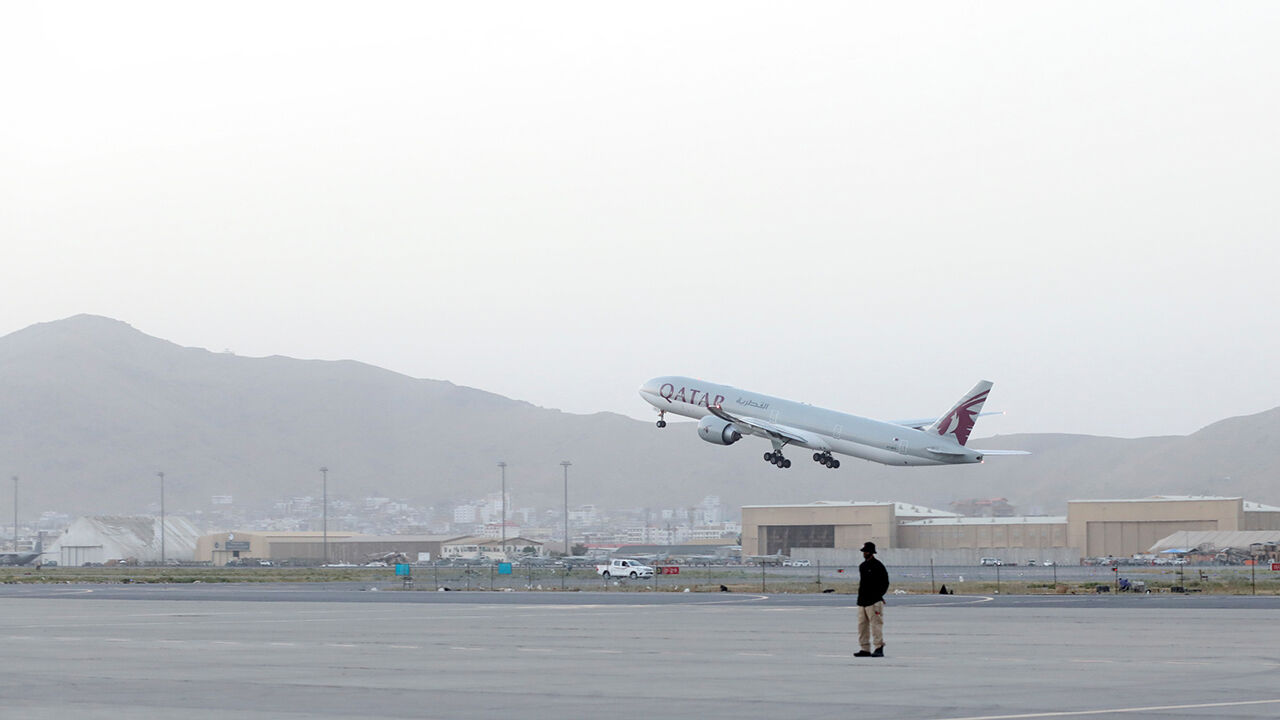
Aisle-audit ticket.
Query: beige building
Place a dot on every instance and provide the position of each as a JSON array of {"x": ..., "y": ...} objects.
[
  {"x": 773, "y": 529},
  {"x": 833, "y": 531},
  {"x": 1121, "y": 528},
  {"x": 1032, "y": 534}
]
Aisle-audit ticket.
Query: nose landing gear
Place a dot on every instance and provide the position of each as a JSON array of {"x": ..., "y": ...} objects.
[
  {"x": 661, "y": 421},
  {"x": 777, "y": 459},
  {"x": 824, "y": 458}
]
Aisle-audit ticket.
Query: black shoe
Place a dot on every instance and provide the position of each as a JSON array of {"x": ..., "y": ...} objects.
[
  {"x": 879, "y": 652},
  {"x": 862, "y": 653}
]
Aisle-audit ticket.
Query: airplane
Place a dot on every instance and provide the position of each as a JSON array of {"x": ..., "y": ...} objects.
[
  {"x": 16, "y": 558},
  {"x": 726, "y": 414}
]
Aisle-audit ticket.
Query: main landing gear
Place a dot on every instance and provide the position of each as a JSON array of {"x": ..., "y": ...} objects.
[
  {"x": 661, "y": 421},
  {"x": 824, "y": 458},
  {"x": 777, "y": 459}
]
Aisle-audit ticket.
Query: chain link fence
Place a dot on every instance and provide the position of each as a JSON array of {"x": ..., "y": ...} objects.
[{"x": 818, "y": 578}]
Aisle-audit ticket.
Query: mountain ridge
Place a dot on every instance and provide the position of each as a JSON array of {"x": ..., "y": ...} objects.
[{"x": 93, "y": 408}]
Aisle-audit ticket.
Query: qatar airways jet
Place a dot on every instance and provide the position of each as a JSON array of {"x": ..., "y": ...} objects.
[{"x": 725, "y": 414}]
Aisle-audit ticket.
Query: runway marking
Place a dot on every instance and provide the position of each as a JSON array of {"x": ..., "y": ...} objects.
[
  {"x": 459, "y": 647},
  {"x": 405, "y": 647},
  {"x": 346, "y": 645},
  {"x": 284, "y": 644},
  {"x": 1148, "y": 708},
  {"x": 745, "y": 598},
  {"x": 539, "y": 650},
  {"x": 982, "y": 599}
]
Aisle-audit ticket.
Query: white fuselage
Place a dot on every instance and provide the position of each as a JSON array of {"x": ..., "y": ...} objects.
[{"x": 875, "y": 440}]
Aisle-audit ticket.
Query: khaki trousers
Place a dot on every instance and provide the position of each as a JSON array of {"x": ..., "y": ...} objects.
[{"x": 871, "y": 625}]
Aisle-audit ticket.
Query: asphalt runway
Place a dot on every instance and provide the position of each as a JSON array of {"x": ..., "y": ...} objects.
[{"x": 347, "y": 651}]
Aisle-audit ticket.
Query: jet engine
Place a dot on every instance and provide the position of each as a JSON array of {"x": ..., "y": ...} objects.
[{"x": 717, "y": 431}]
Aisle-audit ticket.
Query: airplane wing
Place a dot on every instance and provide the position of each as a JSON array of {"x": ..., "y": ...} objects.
[
  {"x": 922, "y": 423},
  {"x": 779, "y": 433}
]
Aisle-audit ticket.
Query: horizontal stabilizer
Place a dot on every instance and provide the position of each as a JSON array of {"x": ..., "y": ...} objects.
[
  {"x": 1003, "y": 452},
  {"x": 946, "y": 451}
]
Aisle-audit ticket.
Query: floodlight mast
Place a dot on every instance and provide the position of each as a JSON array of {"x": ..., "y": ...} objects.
[
  {"x": 566, "y": 464},
  {"x": 503, "y": 464},
  {"x": 324, "y": 513},
  {"x": 161, "y": 476}
]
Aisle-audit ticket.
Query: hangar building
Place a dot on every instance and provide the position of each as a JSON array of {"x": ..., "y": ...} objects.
[
  {"x": 832, "y": 531},
  {"x": 103, "y": 538}
]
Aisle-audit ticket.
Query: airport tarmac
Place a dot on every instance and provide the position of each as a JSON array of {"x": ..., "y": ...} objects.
[{"x": 345, "y": 651}]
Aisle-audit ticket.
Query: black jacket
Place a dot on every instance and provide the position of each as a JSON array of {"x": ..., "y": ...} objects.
[{"x": 874, "y": 582}]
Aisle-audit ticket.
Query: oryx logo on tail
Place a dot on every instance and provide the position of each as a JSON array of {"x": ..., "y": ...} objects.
[{"x": 958, "y": 422}]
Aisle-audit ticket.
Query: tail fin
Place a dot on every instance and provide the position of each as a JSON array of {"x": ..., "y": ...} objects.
[{"x": 958, "y": 422}]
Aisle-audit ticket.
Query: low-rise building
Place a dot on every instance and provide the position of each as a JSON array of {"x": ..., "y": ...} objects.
[
  {"x": 309, "y": 548},
  {"x": 483, "y": 548}
]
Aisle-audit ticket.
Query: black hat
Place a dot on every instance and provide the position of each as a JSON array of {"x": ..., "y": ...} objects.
[{"x": 869, "y": 547}]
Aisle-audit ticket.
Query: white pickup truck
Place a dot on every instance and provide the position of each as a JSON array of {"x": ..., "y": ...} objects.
[{"x": 624, "y": 569}]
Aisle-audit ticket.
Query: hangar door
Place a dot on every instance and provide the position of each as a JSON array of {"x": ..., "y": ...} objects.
[
  {"x": 781, "y": 538},
  {"x": 1124, "y": 539}
]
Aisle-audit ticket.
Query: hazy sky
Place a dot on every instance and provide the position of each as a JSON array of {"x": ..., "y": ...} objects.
[{"x": 866, "y": 206}]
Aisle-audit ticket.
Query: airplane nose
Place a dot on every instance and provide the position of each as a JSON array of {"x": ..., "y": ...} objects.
[{"x": 652, "y": 389}]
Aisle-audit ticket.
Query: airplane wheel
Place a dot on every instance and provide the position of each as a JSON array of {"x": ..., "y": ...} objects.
[
  {"x": 662, "y": 423},
  {"x": 817, "y": 457},
  {"x": 768, "y": 457},
  {"x": 835, "y": 464},
  {"x": 786, "y": 463}
]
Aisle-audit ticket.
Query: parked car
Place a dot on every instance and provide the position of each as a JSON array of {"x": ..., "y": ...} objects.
[
  {"x": 991, "y": 561},
  {"x": 619, "y": 567},
  {"x": 796, "y": 563}
]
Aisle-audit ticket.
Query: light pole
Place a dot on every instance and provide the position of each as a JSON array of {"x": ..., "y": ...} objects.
[
  {"x": 161, "y": 476},
  {"x": 15, "y": 513},
  {"x": 324, "y": 513},
  {"x": 566, "y": 464},
  {"x": 503, "y": 464}
]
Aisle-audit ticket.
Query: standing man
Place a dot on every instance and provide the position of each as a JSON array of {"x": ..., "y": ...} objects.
[{"x": 873, "y": 583}]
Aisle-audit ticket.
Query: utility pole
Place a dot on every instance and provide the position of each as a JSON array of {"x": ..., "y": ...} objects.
[
  {"x": 503, "y": 464},
  {"x": 15, "y": 513},
  {"x": 565, "y": 464},
  {"x": 161, "y": 476},
  {"x": 324, "y": 514}
]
